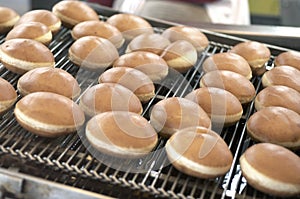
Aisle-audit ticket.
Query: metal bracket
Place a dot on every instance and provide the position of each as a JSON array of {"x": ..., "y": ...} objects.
[
  {"x": 14, "y": 185},
  {"x": 10, "y": 185}
]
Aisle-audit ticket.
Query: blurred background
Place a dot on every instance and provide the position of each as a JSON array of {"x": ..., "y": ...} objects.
[{"x": 266, "y": 12}]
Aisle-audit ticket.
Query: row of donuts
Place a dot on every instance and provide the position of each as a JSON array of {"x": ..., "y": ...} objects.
[
  {"x": 273, "y": 162},
  {"x": 275, "y": 125}
]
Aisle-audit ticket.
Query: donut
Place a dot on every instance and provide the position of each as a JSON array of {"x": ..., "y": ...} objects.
[
  {"x": 227, "y": 61},
  {"x": 199, "y": 152},
  {"x": 43, "y": 16},
  {"x": 154, "y": 43},
  {"x": 22, "y": 55},
  {"x": 106, "y": 97},
  {"x": 221, "y": 106},
  {"x": 256, "y": 54},
  {"x": 121, "y": 134},
  {"x": 289, "y": 58},
  {"x": 8, "y": 18},
  {"x": 233, "y": 82},
  {"x": 181, "y": 55},
  {"x": 130, "y": 25},
  {"x": 47, "y": 79},
  {"x": 93, "y": 53},
  {"x": 99, "y": 29},
  {"x": 48, "y": 114},
  {"x": 31, "y": 30},
  {"x": 275, "y": 174},
  {"x": 136, "y": 81},
  {"x": 190, "y": 34},
  {"x": 8, "y": 96},
  {"x": 73, "y": 12},
  {"x": 149, "y": 63},
  {"x": 172, "y": 114},
  {"x": 283, "y": 75},
  {"x": 282, "y": 96},
  {"x": 277, "y": 125}
]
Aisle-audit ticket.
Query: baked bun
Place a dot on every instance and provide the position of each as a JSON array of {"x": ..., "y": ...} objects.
[
  {"x": 74, "y": 12},
  {"x": 227, "y": 61},
  {"x": 121, "y": 134},
  {"x": 31, "y": 30},
  {"x": 99, "y": 29},
  {"x": 106, "y": 97},
  {"x": 94, "y": 53},
  {"x": 43, "y": 16},
  {"x": 130, "y": 25},
  {"x": 22, "y": 55},
  {"x": 149, "y": 63},
  {"x": 199, "y": 152},
  {"x": 283, "y": 75},
  {"x": 190, "y": 34},
  {"x": 276, "y": 125},
  {"x": 256, "y": 54},
  {"x": 289, "y": 58},
  {"x": 272, "y": 169},
  {"x": 172, "y": 114},
  {"x": 278, "y": 96},
  {"x": 8, "y": 95},
  {"x": 181, "y": 55},
  {"x": 154, "y": 43},
  {"x": 136, "y": 81},
  {"x": 46, "y": 79},
  {"x": 48, "y": 114},
  {"x": 233, "y": 82},
  {"x": 221, "y": 106},
  {"x": 8, "y": 18}
]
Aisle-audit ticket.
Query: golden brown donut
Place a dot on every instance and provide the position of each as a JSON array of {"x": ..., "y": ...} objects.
[
  {"x": 256, "y": 54},
  {"x": 99, "y": 29},
  {"x": 106, "y": 97},
  {"x": 46, "y": 79},
  {"x": 221, "y": 106},
  {"x": 199, "y": 152},
  {"x": 94, "y": 53},
  {"x": 8, "y": 18},
  {"x": 8, "y": 95},
  {"x": 180, "y": 55},
  {"x": 48, "y": 114},
  {"x": 271, "y": 169},
  {"x": 121, "y": 134},
  {"x": 227, "y": 61},
  {"x": 136, "y": 81},
  {"x": 190, "y": 34},
  {"x": 31, "y": 30},
  {"x": 149, "y": 63},
  {"x": 233, "y": 82},
  {"x": 289, "y": 58},
  {"x": 278, "y": 96},
  {"x": 130, "y": 25},
  {"x": 154, "y": 43},
  {"x": 22, "y": 55},
  {"x": 283, "y": 75},
  {"x": 43, "y": 16},
  {"x": 172, "y": 114},
  {"x": 275, "y": 125},
  {"x": 74, "y": 12}
]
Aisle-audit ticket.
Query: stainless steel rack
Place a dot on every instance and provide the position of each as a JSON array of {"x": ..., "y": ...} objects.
[{"x": 68, "y": 160}]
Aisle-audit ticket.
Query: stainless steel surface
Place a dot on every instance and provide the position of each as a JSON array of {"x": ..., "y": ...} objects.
[
  {"x": 67, "y": 160},
  {"x": 22, "y": 186}
]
